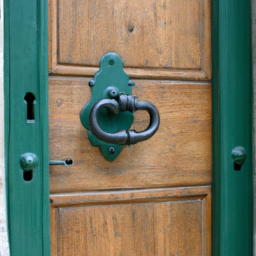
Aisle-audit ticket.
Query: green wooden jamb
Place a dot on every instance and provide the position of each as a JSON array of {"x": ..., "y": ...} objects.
[
  {"x": 25, "y": 70},
  {"x": 232, "y": 126}
]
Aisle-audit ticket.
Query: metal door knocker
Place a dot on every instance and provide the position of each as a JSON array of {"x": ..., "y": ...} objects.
[{"x": 108, "y": 115}]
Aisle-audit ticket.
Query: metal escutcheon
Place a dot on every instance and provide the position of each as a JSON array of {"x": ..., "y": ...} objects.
[{"x": 108, "y": 115}]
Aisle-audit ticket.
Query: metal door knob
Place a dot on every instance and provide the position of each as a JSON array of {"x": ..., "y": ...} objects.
[{"x": 125, "y": 103}]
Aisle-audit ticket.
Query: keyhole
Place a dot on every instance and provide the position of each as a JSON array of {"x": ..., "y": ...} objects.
[
  {"x": 237, "y": 167},
  {"x": 28, "y": 175},
  {"x": 30, "y": 101},
  {"x": 69, "y": 162}
]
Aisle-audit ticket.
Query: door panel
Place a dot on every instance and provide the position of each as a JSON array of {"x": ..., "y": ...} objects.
[
  {"x": 152, "y": 222},
  {"x": 155, "y": 198},
  {"x": 160, "y": 38},
  {"x": 178, "y": 154}
]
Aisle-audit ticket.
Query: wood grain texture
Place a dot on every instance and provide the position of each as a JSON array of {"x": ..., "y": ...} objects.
[
  {"x": 178, "y": 154},
  {"x": 133, "y": 196},
  {"x": 167, "y": 38},
  {"x": 145, "y": 73},
  {"x": 170, "y": 223},
  {"x": 151, "y": 200},
  {"x": 25, "y": 70}
]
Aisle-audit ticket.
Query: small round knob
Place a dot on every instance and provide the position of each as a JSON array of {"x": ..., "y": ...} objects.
[
  {"x": 238, "y": 155},
  {"x": 29, "y": 161}
]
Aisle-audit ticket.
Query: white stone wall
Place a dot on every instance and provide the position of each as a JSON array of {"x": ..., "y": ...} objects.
[{"x": 4, "y": 250}]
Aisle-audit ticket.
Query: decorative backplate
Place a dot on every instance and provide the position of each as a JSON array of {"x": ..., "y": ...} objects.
[{"x": 108, "y": 83}]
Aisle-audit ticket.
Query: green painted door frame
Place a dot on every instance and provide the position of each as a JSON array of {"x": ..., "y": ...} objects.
[
  {"x": 25, "y": 70},
  {"x": 232, "y": 126}
]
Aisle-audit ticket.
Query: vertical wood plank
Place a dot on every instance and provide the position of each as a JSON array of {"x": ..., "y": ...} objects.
[
  {"x": 232, "y": 126},
  {"x": 26, "y": 57}
]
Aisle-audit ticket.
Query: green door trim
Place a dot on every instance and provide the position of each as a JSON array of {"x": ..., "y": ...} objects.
[
  {"x": 25, "y": 70},
  {"x": 232, "y": 126}
]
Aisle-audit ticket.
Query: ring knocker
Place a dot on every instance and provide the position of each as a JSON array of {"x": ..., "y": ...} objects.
[
  {"x": 108, "y": 115},
  {"x": 126, "y": 103}
]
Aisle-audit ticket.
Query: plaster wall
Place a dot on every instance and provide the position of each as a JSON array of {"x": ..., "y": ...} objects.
[{"x": 4, "y": 250}]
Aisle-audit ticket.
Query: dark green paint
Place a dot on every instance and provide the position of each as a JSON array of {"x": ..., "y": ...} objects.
[
  {"x": 232, "y": 126},
  {"x": 29, "y": 161},
  {"x": 238, "y": 155},
  {"x": 25, "y": 70},
  {"x": 108, "y": 83}
]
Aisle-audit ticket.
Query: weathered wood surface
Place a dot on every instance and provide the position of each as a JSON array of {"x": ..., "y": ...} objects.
[
  {"x": 178, "y": 154},
  {"x": 167, "y": 39},
  {"x": 143, "y": 202},
  {"x": 141, "y": 222}
]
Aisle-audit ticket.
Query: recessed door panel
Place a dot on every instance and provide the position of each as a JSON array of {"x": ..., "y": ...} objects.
[
  {"x": 133, "y": 223},
  {"x": 169, "y": 38},
  {"x": 178, "y": 154}
]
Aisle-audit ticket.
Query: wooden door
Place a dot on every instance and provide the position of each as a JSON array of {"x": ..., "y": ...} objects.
[{"x": 155, "y": 198}]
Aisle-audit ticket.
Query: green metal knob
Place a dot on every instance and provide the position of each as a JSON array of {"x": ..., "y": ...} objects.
[
  {"x": 29, "y": 161},
  {"x": 238, "y": 155}
]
